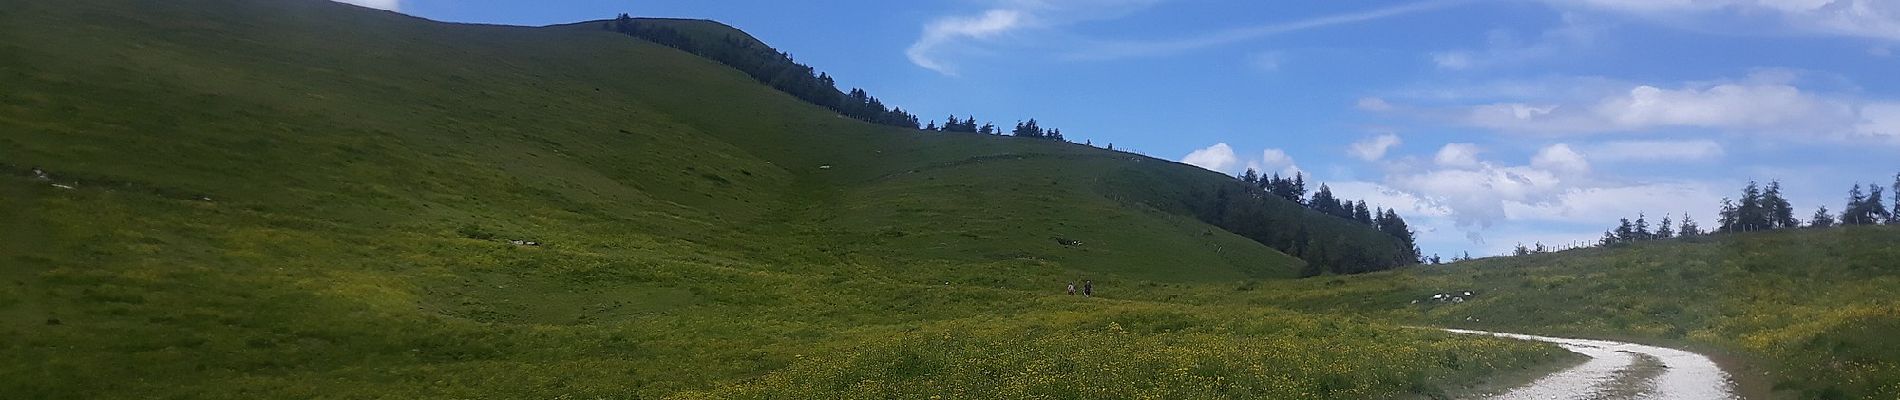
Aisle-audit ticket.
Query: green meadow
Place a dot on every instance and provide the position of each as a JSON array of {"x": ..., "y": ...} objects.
[
  {"x": 302, "y": 199},
  {"x": 1810, "y": 313}
]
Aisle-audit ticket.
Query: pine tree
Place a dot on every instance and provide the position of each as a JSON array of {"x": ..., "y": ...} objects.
[
  {"x": 1323, "y": 200},
  {"x": 1780, "y": 213},
  {"x": 1689, "y": 227},
  {"x": 1609, "y": 239},
  {"x": 1822, "y": 218},
  {"x": 1893, "y": 218},
  {"x": 1642, "y": 227},
  {"x": 1855, "y": 213},
  {"x": 990, "y": 129},
  {"x": 1028, "y": 129},
  {"x": 932, "y": 126},
  {"x": 1251, "y": 177},
  {"x": 1361, "y": 213},
  {"x": 1730, "y": 217},
  {"x": 1625, "y": 231},
  {"x": 1275, "y": 186},
  {"x": 1664, "y": 229},
  {"x": 1876, "y": 209},
  {"x": 1752, "y": 215},
  {"x": 1395, "y": 226}
]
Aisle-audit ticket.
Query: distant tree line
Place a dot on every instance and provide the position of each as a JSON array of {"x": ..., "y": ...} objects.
[
  {"x": 1029, "y": 129},
  {"x": 1762, "y": 208},
  {"x": 778, "y": 70},
  {"x": 773, "y": 68},
  {"x": 1328, "y": 233}
]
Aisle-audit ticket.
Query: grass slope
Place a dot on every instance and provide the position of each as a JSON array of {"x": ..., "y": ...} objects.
[
  {"x": 1817, "y": 311},
  {"x": 298, "y": 198}
]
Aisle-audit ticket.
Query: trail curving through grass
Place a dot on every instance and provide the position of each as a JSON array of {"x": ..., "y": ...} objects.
[{"x": 1619, "y": 370}]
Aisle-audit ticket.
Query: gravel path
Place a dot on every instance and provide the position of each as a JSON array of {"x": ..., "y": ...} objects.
[{"x": 1618, "y": 370}]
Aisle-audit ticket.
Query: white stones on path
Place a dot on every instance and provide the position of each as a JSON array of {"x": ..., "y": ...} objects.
[{"x": 1610, "y": 373}]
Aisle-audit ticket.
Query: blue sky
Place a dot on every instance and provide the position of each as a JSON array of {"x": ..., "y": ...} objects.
[{"x": 1485, "y": 122}]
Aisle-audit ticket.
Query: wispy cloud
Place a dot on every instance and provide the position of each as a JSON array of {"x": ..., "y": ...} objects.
[
  {"x": 1655, "y": 151},
  {"x": 1504, "y": 48},
  {"x": 1021, "y": 21},
  {"x": 1769, "y": 103},
  {"x": 944, "y": 31},
  {"x": 1116, "y": 50},
  {"x": 1875, "y": 19}
]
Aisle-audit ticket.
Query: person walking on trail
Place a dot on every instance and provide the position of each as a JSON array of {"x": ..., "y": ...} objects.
[
  {"x": 1088, "y": 288},
  {"x": 1071, "y": 288}
]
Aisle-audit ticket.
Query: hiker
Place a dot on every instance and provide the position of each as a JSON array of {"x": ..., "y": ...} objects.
[
  {"x": 1088, "y": 288},
  {"x": 1071, "y": 288}
]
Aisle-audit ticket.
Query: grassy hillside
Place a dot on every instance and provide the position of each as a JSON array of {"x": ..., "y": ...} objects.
[
  {"x": 1815, "y": 312},
  {"x": 297, "y": 198}
]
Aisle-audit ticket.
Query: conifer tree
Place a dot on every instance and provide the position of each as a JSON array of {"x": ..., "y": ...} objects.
[
  {"x": 1730, "y": 217},
  {"x": 1299, "y": 187},
  {"x": 1642, "y": 228},
  {"x": 1821, "y": 219},
  {"x": 1689, "y": 227},
  {"x": 1893, "y": 217},
  {"x": 1855, "y": 213},
  {"x": 1780, "y": 213},
  {"x": 1876, "y": 206},
  {"x": 1324, "y": 202},
  {"x": 1028, "y": 129},
  {"x": 1752, "y": 214},
  {"x": 1664, "y": 230}
]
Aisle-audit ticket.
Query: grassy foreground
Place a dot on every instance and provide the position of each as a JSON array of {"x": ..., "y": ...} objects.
[
  {"x": 1816, "y": 313},
  {"x": 302, "y": 199}
]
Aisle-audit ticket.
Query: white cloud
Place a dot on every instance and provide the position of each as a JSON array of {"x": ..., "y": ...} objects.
[
  {"x": 1880, "y": 121},
  {"x": 1504, "y": 48},
  {"x": 1374, "y": 148},
  {"x": 1453, "y": 60},
  {"x": 1766, "y": 102},
  {"x": 1561, "y": 158},
  {"x": 1462, "y": 155},
  {"x": 1274, "y": 161},
  {"x": 1475, "y": 197},
  {"x": 391, "y": 5},
  {"x": 1373, "y": 104},
  {"x": 1877, "y": 19},
  {"x": 1218, "y": 158},
  {"x": 1025, "y": 23},
  {"x": 1125, "y": 49},
  {"x": 1267, "y": 61},
  {"x": 1724, "y": 106},
  {"x": 1381, "y": 196},
  {"x": 1654, "y": 151},
  {"x": 946, "y": 30},
  {"x": 1604, "y": 205}
]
